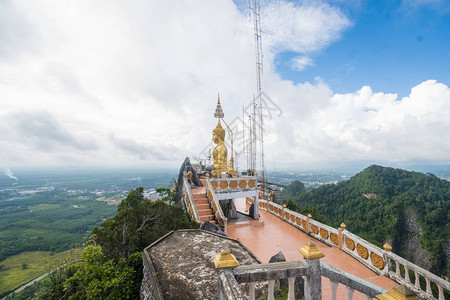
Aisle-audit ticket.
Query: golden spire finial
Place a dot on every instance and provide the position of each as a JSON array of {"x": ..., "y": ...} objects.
[{"x": 219, "y": 112}]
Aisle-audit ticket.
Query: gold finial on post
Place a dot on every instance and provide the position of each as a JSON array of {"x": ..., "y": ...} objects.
[
  {"x": 309, "y": 216},
  {"x": 225, "y": 260},
  {"x": 311, "y": 252},
  {"x": 387, "y": 247},
  {"x": 343, "y": 225}
]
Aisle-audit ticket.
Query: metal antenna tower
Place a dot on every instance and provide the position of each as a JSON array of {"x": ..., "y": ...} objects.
[{"x": 257, "y": 103}]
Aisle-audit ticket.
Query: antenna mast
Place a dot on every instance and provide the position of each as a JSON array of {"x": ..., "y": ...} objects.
[{"x": 257, "y": 103}]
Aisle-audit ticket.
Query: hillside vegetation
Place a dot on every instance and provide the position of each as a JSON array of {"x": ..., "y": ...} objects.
[
  {"x": 373, "y": 204},
  {"x": 110, "y": 265}
]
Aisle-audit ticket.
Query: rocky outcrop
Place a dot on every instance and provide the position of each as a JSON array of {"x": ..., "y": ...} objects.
[
  {"x": 229, "y": 209},
  {"x": 185, "y": 167},
  {"x": 412, "y": 248},
  {"x": 208, "y": 226}
]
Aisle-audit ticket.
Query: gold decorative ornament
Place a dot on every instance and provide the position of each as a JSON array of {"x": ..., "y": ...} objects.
[
  {"x": 343, "y": 226},
  {"x": 233, "y": 184},
  {"x": 251, "y": 183},
  {"x": 223, "y": 185},
  {"x": 275, "y": 210},
  {"x": 362, "y": 251},
  {"x": 214, "y": 184},
  {"x": 309, "y": 216},
  {"x": 311, "y": 252},
  {"x": 400, "y": 292},
  {"x": 314, "y": 229},
  {"x": 350, "y": 244},
  {"x": 387, "y": 247},
  {"x": 271, "y": 207},
  {"x": 284, "y": 205},
  {"x": 323, "y": 233},
  {"x": 210, "y": 195},
  {"x": 242, "y": 184},
  {"x": 334, "y": 238},
  {"x": 225, "y": 260},
  {"x": 304, "y": 223},
  {"x": 292, "y": 218},
  {"x": 298, "y": 221},
  {"x": 280, "y": 212},
  {"x": 287, "y": 216},
  {"x": 377, "y": 260}
]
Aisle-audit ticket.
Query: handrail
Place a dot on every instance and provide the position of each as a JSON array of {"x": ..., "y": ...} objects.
[
  {"x": 368, "y": 254},
  {"x": 311, "y": 270},
  {"x": 418, "y": 271},
  {"x": 193, "y": 209},
  {"x": 215, "y": 205},
  {"x": 350, "y": 280}
]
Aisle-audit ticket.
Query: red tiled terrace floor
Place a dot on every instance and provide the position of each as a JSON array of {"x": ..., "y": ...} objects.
[{"x": 269, "y": 235}]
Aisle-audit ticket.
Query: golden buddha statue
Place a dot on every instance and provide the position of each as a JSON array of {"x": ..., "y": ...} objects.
[{"x": 220, "y": 151}]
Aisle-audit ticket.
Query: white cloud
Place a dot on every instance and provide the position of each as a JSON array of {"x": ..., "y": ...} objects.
[
  {"x": 299, "y": 63},
  {"x": 304, "y": 27},
  {"x": 376, "y": 126},
  {"x": 117, "y": 83}
]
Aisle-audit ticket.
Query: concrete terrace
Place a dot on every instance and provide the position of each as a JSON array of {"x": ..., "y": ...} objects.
[{"x": 269, "y": 235}]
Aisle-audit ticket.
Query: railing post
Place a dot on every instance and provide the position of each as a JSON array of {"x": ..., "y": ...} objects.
[
  {"x": 334, "y": 286},
  {"x": 271, "y": 295},
  {"x": 387, "y": 248},
  {"x": 341, "y": 228},
  {"x": 284, "y": 207},
  {"x": 291, "y": 293},
  {"x": 251, "y": 291},
  {"x": 309, "y": 216},
  {"x": 225, "y": 262},
  {"x": 349, "y": 291},
  {"x": 313, "y": 281}
]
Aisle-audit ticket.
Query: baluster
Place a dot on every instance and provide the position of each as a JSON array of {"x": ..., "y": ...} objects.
[
  {"x": 334, "y": 286},
  {"x": 251, "y": 292},
  {"x": 417, "y": 283},
  {"x": 407, "y": 274},
  {"x": 397, "y": 268},
  {"x": 367, "y": 297},
  {"x": 428, "y": 287},
  {"x": 441, "y": 292},
  {"x": 271, "y": 291},
  {"x": 291, "y": 294},
  {"x": 349, "y": 292}
]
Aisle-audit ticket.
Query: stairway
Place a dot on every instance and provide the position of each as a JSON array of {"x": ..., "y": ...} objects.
[{"x": 205, "y": 212}]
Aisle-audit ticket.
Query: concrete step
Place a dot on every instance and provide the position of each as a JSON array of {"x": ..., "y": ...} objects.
[
  {"x": 207, "y": 218},
  {"x": 199, "y": 196},
  {"x": 202, "y": 201},
  {"x": 202, "y": 206},
  {"x": 204, "y": 212}
]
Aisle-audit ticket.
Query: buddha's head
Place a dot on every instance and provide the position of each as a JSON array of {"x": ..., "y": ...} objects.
[{"x": 218, "y": 134}]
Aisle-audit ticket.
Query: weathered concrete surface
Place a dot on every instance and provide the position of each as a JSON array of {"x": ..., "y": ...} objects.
[{"x": 183, "y": 261}]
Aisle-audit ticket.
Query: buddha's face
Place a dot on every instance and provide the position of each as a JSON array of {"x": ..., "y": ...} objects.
[{"x": 216, "y": 139}]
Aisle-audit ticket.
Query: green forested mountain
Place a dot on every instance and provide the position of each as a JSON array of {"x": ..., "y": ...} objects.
[{"x": 374, "y": 202}]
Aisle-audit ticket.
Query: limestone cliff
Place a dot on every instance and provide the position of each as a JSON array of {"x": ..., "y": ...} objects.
[{"x": 413, "y": 251}]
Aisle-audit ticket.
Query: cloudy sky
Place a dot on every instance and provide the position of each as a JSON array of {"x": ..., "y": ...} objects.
[{"x": 135, "y": 83}]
